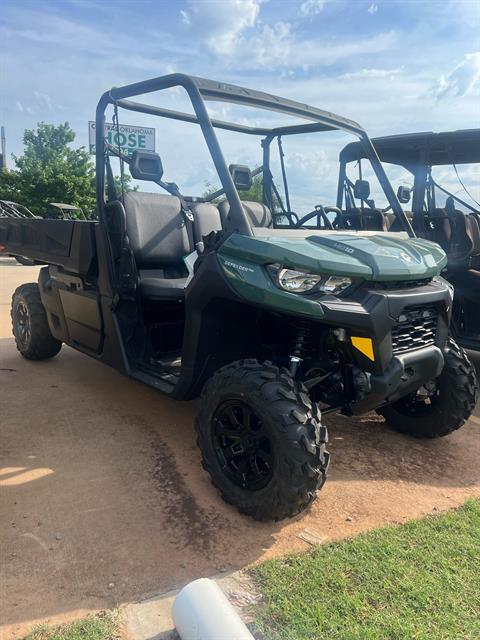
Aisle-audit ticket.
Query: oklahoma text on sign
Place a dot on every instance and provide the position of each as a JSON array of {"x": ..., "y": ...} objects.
[{"x": 128, "y": 137}]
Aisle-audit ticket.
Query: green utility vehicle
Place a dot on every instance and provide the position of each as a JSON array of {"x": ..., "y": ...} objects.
[{"x": 243, "y": 305}]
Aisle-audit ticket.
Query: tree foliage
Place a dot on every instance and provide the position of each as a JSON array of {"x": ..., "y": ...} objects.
[{"x": 50, "y": 170}]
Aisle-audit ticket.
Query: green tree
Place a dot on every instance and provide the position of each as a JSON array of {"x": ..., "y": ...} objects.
[{"x": 50, "y": 170}]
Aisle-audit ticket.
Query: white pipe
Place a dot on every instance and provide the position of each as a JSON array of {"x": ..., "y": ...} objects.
[{"x": 202, "y": 612}]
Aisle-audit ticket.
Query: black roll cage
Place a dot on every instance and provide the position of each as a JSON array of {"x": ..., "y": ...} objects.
[
  {"x": 199, "y": 90},
  {"x": 418, "y": 153}
]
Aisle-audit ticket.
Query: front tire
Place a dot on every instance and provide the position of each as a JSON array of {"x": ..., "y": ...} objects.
[
  {"x": 449, "y": 406},
  {"x": 30, "y": 325},
  {"x": 261, "y": 440}
]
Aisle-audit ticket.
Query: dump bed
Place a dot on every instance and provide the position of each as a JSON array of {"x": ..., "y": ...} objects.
[{"x": 66, "y": 243}]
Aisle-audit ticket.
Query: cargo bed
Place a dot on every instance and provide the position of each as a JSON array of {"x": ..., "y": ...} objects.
[{"x": 66, "y": 243}]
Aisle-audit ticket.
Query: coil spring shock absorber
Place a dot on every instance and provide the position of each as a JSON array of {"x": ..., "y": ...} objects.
[{"x": 300, "y": 346}]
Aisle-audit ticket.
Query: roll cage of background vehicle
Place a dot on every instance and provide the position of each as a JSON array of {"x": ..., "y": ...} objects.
[
  {"x": 199, "y": 90},
  {"x": 418, "y": 153}
]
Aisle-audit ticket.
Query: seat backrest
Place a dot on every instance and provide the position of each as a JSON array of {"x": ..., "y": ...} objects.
[
  {"x": 440, "y": 228},
  {"x": 156, "y": 229},
  {"x": 358, "y": 219},
  {"x": 465, "y": 240},
  {"x": 392, "y": 223},
  {"x": 206, "y": 218},
  {"x": 389, "y": 219},
  {"x": 474, "y": 230},
  {"x": 258, "y": 213}
]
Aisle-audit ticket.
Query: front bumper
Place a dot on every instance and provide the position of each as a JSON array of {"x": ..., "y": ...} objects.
[
  {"x": 375, "y": 313},
  {"x": 406, "y": 373}
]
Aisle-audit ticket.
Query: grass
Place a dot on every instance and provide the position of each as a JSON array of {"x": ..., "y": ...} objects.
[
  {"x": 417, "y": 581},
  {"x": 89, "y": 628}
]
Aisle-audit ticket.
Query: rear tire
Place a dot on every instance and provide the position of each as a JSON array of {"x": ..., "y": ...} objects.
[
  {"x": 451, "y": 406},
  {"x": 30, "y": 325},
  {"x": 261, "y": 440}
]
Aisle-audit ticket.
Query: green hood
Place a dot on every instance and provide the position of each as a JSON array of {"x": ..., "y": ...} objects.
[
  {"x": 372, "y": 257},
  {"x": 358, "y": 255}
]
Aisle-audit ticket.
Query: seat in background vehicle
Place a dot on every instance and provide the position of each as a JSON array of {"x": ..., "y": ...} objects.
[
  {"x": 439, "y": 228},
  {"x": 464, "y": 248},
  {"x": 393, "y": 224},
  {"x": 358, "y": 219},
  {"x": 258, "y": 214},
  {"x": 159, "y": 239},
  {"x": 458, "y": 234}
]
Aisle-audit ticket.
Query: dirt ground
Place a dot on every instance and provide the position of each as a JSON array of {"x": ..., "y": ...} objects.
[{"x": 103, "y": 499}]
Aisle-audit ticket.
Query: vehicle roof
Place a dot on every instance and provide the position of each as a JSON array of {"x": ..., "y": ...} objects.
[
  {"x": 62, "y": 205},
  {"x": 411, "y": 149},
  {"x": 221, "y": 91}
]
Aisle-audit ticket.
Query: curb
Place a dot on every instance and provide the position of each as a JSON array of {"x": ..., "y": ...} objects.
[{"x": 151, "y": 619}]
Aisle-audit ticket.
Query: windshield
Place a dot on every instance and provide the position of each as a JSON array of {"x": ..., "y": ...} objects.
[
  {"x": 460, "y": 183},
  {"x": 290, "y": 153}
]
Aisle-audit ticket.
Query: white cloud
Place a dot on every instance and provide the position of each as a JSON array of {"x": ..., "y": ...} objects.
[
  {"x": 234, "y": 33},
  {"x": 372, "y": 73},
  {"x": 311, "y": 7},
  {"x": 463, "y": 80},
  {"x": 44, "y": 99},
  {"x": 315, "y": 53},
  {"x": 185, "y": 16},
  {"x": 223, "y": 23},
  {"x": 466, "y": 11},
  {"x": 373, "y": 8},
  {"x": 19, "y": 106},
  {"x": 271, "y": 46}
]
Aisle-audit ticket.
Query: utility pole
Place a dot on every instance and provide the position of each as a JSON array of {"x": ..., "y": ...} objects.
[{"x": 3, "y": 155}]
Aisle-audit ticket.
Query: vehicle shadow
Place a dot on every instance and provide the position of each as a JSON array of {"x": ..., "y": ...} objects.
[{"x": 105, "y": 500}]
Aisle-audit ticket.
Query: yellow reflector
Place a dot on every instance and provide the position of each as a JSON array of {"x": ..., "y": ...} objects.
[{"x": 364, "y": 345}]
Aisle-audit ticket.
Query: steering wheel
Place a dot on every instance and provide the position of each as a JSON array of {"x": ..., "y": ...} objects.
[
  {"x": 292, "y": 217},
  {"x": 319, "y": 212}
]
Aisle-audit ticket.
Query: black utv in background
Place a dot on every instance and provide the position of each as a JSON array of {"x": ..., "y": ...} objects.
[
  {"x": 270, "y": 323},
  {"x": 450, "y": 218}
]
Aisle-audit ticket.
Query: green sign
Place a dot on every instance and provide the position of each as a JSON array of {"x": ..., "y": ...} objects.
[{"x": 127, "y": 138}]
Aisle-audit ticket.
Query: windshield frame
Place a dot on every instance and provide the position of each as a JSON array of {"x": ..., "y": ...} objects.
[{"x": 199, "y": 90}]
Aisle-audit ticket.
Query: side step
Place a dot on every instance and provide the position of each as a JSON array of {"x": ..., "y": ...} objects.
[{"x": 165, "y": 383}]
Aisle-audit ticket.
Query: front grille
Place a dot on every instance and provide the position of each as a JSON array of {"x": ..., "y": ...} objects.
[
  {"x": 416, "y": 327},
  {"x": 400, "y": 284}
]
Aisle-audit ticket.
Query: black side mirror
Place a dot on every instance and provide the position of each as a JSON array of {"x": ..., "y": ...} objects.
[
  {"x": 361, "y": 189},
  {"x": 145, "y": 165},
  {"x": 242, "y": 176},
  {"x": 403, "y": 194}
]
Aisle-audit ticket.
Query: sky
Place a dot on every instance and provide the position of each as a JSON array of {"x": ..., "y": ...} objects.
[{"x": 394, "y": 66}]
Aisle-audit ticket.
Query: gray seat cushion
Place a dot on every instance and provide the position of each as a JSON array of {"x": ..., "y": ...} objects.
[
  {"x": 155, "y": 286},
  {"x": 156, "y": 229},
  {"x": 258, "y": 213},
  {"x": 159, "y": 238}
]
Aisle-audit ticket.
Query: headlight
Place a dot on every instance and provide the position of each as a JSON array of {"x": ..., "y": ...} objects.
[
  {"x": 301, "y": 281},
  {"x": 297, "y": 281},
  {"x": 335, "y": 284}
]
